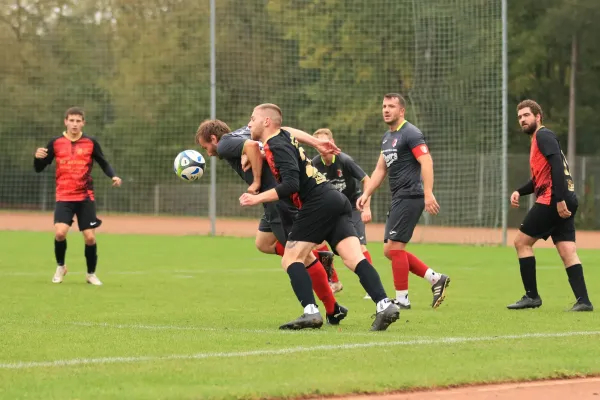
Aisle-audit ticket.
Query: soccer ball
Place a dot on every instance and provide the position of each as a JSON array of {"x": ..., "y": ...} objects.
[{"x": 189, "y": 165}]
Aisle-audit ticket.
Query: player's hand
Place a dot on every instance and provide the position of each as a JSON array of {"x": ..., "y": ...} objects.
[
  {"x": 563, "y": 211},
  {"x": 116, "y": 181},
  {"x": 245, "y": 163},
  {"x": 360, "y": 202},
  {"x": 365, "y": 215},
  {"x": 325, "y": 146},
  {"x": 41, "y": 153},
  {"x": 254, "y": 188},
  {"x": 431, "y": 204},
  {"x": 248, "y": 199},
  {"x": 514, "y": 199}
]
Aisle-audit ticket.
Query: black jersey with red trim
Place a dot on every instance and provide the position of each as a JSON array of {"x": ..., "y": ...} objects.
[
  {"x": 400, "y": 150},
  {"x": 293, "y": 171},
  {"x": 74, "y": 162}
]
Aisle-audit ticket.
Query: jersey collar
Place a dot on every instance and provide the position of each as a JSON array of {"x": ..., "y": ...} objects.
[
  {"x": 400, "y": 126},
  {"x": 272, "y": 136},
  {"x": 72, "y": 140},
  {"x": 332, "y": 160}
]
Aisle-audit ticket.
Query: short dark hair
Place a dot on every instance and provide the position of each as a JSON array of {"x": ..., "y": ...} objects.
[
  {"x": 396, "y": 96},
  {"x": 535, "y": 108},
  {"x": 210, "y": 127},
  {"x": 75, "y": 111}
]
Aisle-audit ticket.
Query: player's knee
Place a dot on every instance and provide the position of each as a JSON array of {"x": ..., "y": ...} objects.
[
  {"x": 568, "y": 253},
  {"x": 263, "y": 246},
  {"x": 387, "y": 249},
  {"x": 60, "y": 235},
  {"x": 363, "y": 248},
  {"x": 89, "y": 238}
]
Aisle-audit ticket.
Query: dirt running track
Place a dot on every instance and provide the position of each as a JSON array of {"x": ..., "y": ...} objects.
[{"x": 579, "y": 389}]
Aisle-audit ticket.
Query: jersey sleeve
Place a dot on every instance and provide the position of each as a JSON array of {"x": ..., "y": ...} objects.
[
  {"x": 98, "y": 156},
  {"x": 40, "y": 163},
  {"x": 286, "y": 162},
  {"x": 547, "y": 143},
  {"x": 416, "y": 142},
  {"x": 231, "y": 146},
  {"x": 352, "y": 168}
]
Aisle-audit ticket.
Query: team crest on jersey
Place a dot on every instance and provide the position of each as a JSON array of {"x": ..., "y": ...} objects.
[
  {"x": 80, "y": 151},
  {"x": 394, "y": 142},
  {"x": 339, "y": 172}
]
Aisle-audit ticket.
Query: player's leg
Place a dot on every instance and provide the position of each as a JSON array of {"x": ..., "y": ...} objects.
[
  {"x": 564, "y": 240},
  {"x": 63, "y": 218},
  {"x": 538, "y": 224},
  {"x": 344, "y": 239},
  {"x": 387, "y": 312},
  {"x": 281, "y": 222},
  {"x": 88, "y": 222},
  {"x": 265, "y": 240},
  {"x": 296, "y": 252},
  {"x": 320, "y": 284},
  {"x": 359, "y": 226}
]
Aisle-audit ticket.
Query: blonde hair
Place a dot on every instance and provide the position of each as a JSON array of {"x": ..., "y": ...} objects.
[
  {"x": 273, "y": 108},
  {"x": 324, "y": 131}
]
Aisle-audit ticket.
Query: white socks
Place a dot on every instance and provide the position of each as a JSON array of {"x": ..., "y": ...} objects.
[
  {"x": 311, "y": 309},
  {"x": 383, "y": 304},
  {"x": 402, "y": 297},
  {"x": 432, "y": 276}
]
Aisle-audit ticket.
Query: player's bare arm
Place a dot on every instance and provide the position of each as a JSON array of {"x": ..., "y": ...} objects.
[
  {"x": 324, "y": 146},
  {"x": 252, "y": 152},
  {"x": 375, "y": 181},
  {"x": 431, "y": 204},
  {"x": 248, "y": 199},
  {"x": 366, "y": 211}
]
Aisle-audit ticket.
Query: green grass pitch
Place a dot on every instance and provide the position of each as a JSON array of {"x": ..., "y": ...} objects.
[{"x": 197, "y": 317}]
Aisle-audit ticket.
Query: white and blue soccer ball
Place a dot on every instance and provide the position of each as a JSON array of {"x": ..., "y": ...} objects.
[{"x": 189, "y": 165}]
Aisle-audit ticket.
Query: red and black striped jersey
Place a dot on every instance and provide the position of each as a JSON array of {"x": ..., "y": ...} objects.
[
  {"x": 74, "y": 161},
  {"x": 293, "y": 171}
]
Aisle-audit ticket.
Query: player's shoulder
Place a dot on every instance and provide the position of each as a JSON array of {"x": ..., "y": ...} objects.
[
  {"x": 344, "y": 158},
  {"x": 411, "y": 129},
  {"x": 281, "y": 138},
  {"x": 544, "y": 132},
  {"x": 317, "y": 160}
]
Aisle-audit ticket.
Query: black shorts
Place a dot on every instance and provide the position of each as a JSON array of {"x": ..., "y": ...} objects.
[
  {"x": 85, "y": 211},
  {"x": 402, "y": 218},
  {"x": 542, "y": 222},
  {"x": 359, "y": 225},
  {"x": 278, "y": 219},
  {"x": 326, "y": 217}
]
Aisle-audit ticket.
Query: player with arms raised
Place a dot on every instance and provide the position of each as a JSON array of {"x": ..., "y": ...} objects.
[
  {"x": 552, "y": 215},
  {"x": 405, "y": 157},
  {"x": 75, "y": 154},
  {"x": 324, "y": 215}
]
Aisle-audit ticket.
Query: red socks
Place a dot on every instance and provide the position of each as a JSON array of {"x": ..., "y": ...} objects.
[
  {"x": 416, "y": 266},
  {"x": 321, "y": 286},
  {"x": 368, "y": 257},
  {"x": 400, "y": 268},
  {"x": 279, "y": 249}
]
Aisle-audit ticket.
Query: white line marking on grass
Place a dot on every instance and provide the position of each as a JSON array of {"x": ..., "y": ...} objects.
[{"x": 289, "y": 350}]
